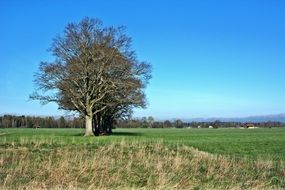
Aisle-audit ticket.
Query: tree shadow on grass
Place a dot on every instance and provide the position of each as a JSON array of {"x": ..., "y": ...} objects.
[
  {"x": 112, "y": 134},
  {"x": 125, "y": 134},
  {"x": 77, "y": 135}
]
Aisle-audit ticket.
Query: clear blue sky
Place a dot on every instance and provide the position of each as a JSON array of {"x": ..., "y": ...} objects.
[{"x": 210, "y": 57}]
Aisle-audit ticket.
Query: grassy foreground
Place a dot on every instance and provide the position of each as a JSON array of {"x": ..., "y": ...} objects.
[{"x": 142, "y": 158}]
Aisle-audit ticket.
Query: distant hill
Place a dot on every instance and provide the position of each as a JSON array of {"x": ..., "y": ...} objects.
[{"x": 262, "y": 118}]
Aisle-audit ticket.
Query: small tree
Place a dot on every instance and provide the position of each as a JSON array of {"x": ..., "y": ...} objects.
[
  {"x": 178, "y": 123},
  {"x": 150, "y": 121},
  {"x": 167, "y": 124}
]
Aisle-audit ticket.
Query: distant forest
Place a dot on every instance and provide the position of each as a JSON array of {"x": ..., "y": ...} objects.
[
  {"x": 150, "y": 123},
  {"x": 12, "y": 121}
]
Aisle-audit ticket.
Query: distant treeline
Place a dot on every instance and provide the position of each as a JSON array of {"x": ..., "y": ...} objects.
[
  {"x": 150, "y": 123},
  {"x": 12, "y": 121}
]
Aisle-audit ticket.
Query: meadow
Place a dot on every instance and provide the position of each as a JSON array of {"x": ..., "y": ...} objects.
[{"x": 143, "y": 158}]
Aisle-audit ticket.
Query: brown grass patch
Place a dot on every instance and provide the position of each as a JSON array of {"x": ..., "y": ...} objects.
[{"x": 133, "y": 166}]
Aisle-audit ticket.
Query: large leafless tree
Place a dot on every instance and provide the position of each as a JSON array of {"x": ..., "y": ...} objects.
[{"x": 95, "y": 72}]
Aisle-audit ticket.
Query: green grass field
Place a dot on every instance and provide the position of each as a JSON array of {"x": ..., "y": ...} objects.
[
  {"x": 265, "y": 143},
  {"x": 205, "y": 158}
]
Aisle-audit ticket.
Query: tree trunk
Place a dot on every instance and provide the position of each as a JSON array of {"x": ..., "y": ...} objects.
[
  {"x": 88, "y": 126},
  {"x": 95, "y": 127}
]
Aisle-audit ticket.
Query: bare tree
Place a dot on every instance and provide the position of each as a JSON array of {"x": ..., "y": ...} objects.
[{"x": 93, "y": 67}]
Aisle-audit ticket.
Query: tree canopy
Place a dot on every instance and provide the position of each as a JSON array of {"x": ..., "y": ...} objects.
[{"x": 95, "y": 73}]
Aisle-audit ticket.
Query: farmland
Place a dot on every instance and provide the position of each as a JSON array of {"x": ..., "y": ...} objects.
[{"x": 143, "y": 158}]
